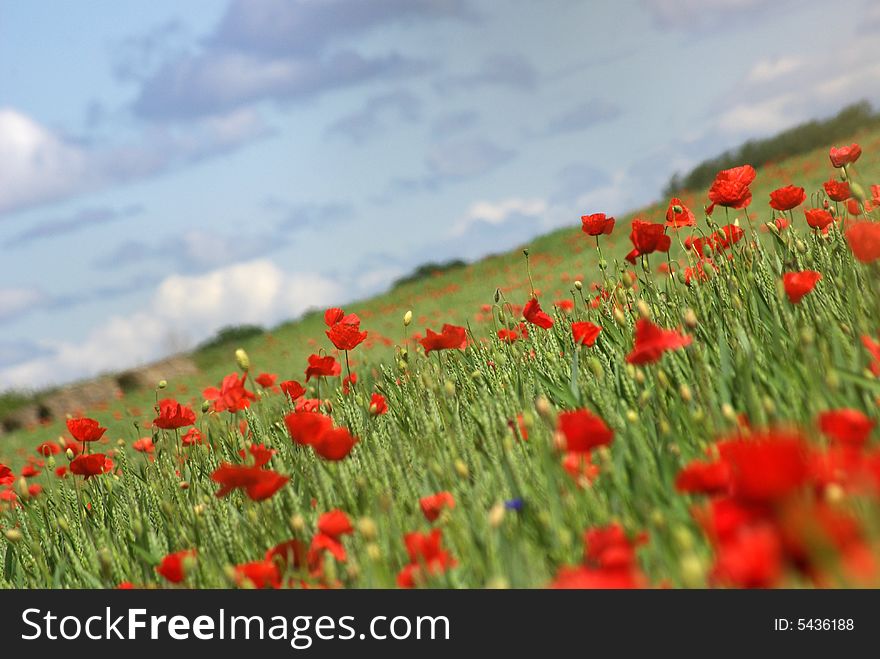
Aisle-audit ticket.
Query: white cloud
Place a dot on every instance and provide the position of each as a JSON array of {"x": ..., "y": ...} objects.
[
  {"x": 780, "y": 93},
  {"x": 36, "y": 163},
  {"x": 39, "y": 166},
  {"x": 183, "y": 310},
  {"x": 15, "y": 300},
  {"x": 770, "y": 69},
  {"x": 497, "y": 213}
]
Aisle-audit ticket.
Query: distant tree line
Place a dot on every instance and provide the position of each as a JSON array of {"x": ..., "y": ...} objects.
[
  {"x": 792, "y": 142},
  {"x": 427, "y": 270}
]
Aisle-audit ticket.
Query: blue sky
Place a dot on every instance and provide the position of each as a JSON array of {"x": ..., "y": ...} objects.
[{"x": 167, "y": 168}]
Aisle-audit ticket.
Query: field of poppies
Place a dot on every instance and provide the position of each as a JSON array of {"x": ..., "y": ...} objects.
[{"x": 684, "y": 398}]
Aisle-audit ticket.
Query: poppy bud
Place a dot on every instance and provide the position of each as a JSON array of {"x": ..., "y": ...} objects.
[
  {"x": 690, "y": 318},
  {"x": 162, "y": 384},
  {"x": 407, "y": 318},
  {"x": 461, "y": 468},
  {"x": 497, "y": 296},
  {"x": 832, "y": 379},
  {"x": 70, "y": 454},
  {"x": 297, "y": 523},
  {"x": 772, "y": 228},
  {"x": 693, "y": 573},
  {"x": 22, "y": 488},
  {"x": 603, "y": 264},
  {"x": 206, "y": 405},
  {"x": 120, "y": 442},
  {"x": 526, "y": 252},
  {"x": 497, "y": 583},
  {"x": 578, "y": 284},
  {"x": 374, "y": 553},
  {"x": 368, "y": 528},
  {"x": 683, "y": 538},
  {"x": 14, "y": 535},
  {"x": 242, "y": 359},
  {"x": 857, "y": 191},
  {"x": 834, "y": 493},
  {"x": 50, "y": 462},
  {"x": 644, "y": 309},
  {"x": 801, "y": 246},
  {"x": 619, "y": 318},
  {"x": 686, "y": 394},
  {"x": 728, "y": 412},
  {"x": 627, "y": 281},
  {"x": 496, "y": 515},
  {"x": 543, "y": 408}
]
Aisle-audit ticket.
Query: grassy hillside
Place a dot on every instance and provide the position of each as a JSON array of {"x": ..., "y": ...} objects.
[
  {"x": 457, "y": 296},
  {"x": 714, "y": 434}
]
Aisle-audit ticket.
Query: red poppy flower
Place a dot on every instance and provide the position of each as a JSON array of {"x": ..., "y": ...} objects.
[
  {"x": 48, "y": 448},
  {"x": 258, "y": 484},
  {"x": 335, "y": 444},
  {"x": 609, "y": 562},
  {"x": 566, "y": 305},
  {"x": 731, "y": 188},
  {"x": 844, "y": 155},
  {"x": 29, "y": 471},
  {"x": 648, "y": 237},
  {"x": 322, "y": 367},
  {"x": 787, "y": 198},
  {"x": 798, "y": 284},
  {"x": 427, "y": 557},
  {"x": 837, "y": 190},
  {"x": 753, "y": 558},
  {"x": 874, "y": 348},
  {"x": 90, "y": 465},
  {"x": 85, "y": 430},
  {"x": 652, "y": 341},
  {"x": 864, "y": 241},
  {"x": 597, "y": 224},
  {"x": 333, "y": 315},
  {"x": 767, "y": 466},
  {"x": 259, "y": 574},
  {"x": 730, "y": 235},
  {"x": 678, "y": 215},
  {"x": 818, "y": 218},
  {"x": 846, "y": 426},
  {"x": 434, "y": 504},
  {"x": 532, "y": 312},
  {"x": 585, "y": 333},
  {"x": 345, "y": 335},
  {"x": 6, "y": 475},
  {"x": 290, "y": 553},
  {"x": 583, "y": 431},
  {"x": 173, "y": 566},
  {"x": 378, "y": 404},
  {"x": 231, "y": 396},
  {"x": 580, "y": 467},
  {"x": 144, "y": 445},
  {"x": 173, "y": 415},
  {"x": 508, "y": 335},
  {"x": 450, "y": 337},
  {"x": 266, "y": 380},
  {"x": 305, "y": 428},
  {"x": 261, "y": 454},
  {"x": 704, "y": 478},
  {"x": 293, "y": 389},
  {"x": 335, "y": 523},
  {"x": 193, "y": 436}
]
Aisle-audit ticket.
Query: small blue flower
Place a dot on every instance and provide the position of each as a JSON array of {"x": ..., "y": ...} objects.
[{"x": 514, "y": 504}]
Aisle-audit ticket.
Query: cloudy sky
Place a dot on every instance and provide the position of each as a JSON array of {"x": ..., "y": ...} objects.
[{"x": 167, "y": 168}]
